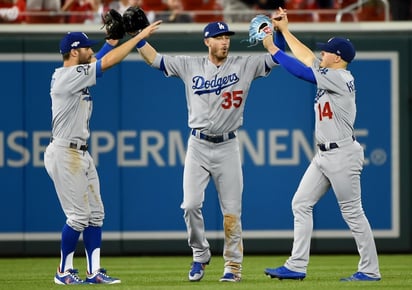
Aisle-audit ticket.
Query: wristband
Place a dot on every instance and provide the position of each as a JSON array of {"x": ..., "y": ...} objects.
[
  {"x": 105, "y": 49},
  {"x": 140, "y": 43}
]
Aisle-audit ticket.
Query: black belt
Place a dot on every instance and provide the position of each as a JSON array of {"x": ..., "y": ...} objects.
[
  {"x": 332, "y": 145},
  {"x": 214, "y": 138},
  {"x": 73, "y": 145},
  {"x": 322, "y": 147},
  {"x": 82, "y": 147}
]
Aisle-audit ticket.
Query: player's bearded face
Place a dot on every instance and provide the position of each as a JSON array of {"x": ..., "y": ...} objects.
[
  {"x": 85, "y": 55},
  {"x": 219, "y": 46}
]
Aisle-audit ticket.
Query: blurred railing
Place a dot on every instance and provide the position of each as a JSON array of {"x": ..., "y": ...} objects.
[
  {"x": 359, "y": 11},
  {"x": 353, "y": 7}
]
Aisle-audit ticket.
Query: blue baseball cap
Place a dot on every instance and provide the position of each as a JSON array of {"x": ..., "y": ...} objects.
[
  {"x": 75, "y": 40},
  {"x": 339, "y": 46},
  {"x": 216, "y": 28}
]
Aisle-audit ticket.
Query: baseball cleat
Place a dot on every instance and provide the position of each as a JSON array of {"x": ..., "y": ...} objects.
[
  {"x": 230, "y": 277},
  {"x": 284, "y": 273},
  {"x": 69, "y": 277},
  {"x": 197, "y": 271},
  {"x": 100, "y": 277},
  {"x": 359, "y": 276}
]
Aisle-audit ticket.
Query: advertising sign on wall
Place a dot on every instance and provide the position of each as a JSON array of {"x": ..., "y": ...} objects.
[{"x": 138, "y": 141}]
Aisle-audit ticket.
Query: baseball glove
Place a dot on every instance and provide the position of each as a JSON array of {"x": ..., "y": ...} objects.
[
  {"x": 259, "y": 27},
  {"x": 113, "y": 22},
  {"x": 134, "y": 20}
]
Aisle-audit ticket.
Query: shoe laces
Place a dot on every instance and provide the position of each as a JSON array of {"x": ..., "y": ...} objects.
[
  {"x": 74, "y": 274},
  {"x": 103, "y": 272}
]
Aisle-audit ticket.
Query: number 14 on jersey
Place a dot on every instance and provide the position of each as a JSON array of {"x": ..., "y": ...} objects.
[{"x": 324, "y": 111}]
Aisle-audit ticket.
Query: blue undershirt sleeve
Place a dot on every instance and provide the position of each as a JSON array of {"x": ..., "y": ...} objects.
[
  {"x": 294, "y": 66},
  {"x": 99, "y": 71},
  {"x": 280, "y": 41},
  {"x": 162, "y": 65}
]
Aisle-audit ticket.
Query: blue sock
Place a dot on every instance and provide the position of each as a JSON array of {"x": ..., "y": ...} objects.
[
  {"x": 70, "y": 237},
  {"x": 92, "y": 237}
]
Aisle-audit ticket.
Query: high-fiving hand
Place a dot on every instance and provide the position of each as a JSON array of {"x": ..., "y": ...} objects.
[{"x": 279, "y": 19}]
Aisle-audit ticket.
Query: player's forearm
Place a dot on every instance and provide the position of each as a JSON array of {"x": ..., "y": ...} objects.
[
  {"x": 294, "y": 66},
  {"x": 299, "y": 50},
  {"x": 109, "y": 45},
  {"x": 269, "y": 45},
  {"x": 148, "y": 53},
  {"x": 116, "y": 55}
]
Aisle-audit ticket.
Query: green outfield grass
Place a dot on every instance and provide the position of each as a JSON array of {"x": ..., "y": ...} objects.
[{"x": 171, "y": 273}]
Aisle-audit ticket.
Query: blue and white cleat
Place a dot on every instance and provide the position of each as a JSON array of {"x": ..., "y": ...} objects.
[
  {"x": 284, "y": 273},
  {"x": 68, "y": 277},
  {"x": 100, "y": 277},
  {"x": 359, "y": 276},
  {"x": 230, "y": 277},
  {"x": 197, "y": 271}
]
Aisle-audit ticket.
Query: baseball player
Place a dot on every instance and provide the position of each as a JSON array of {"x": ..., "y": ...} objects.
[
  {"x": 216, "y": 87},
  {"x": 339, "y": 160},
  {"x": 67, "y": 159}
]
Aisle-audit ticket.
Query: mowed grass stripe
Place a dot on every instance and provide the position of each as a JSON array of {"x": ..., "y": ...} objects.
[{"x": 170, "y": 273}]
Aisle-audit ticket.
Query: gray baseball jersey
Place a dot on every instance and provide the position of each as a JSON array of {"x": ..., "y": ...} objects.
[
  {"x": 216, "y": 96},
  {"x": 71, "y": 106},
  {"x": 336, "y": 89}
]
